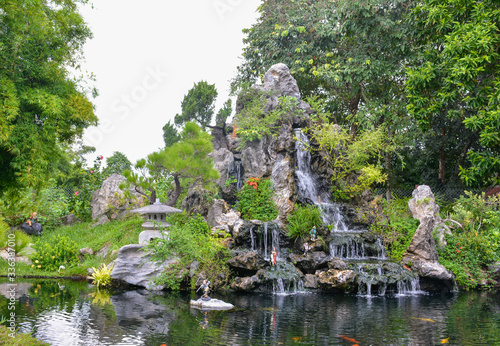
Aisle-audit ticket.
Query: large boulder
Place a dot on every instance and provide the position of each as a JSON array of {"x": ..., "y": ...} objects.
[
  {"x": 282, "y": 177},
  {"x": 133, "y": 266},
  {"x": 433, "y": 276},
  {"x": 110, "y": 200},
  {"x": 335, "y": 279},
  {"x": 221, "y": 217},
  {"x": 196, "y": 201},
  {"x": 279, "y": 79},
  {"x": 424, "y": 208},
  {"x": 246, "y": 283},
  {"x": 247, "y": 263},
  {"x": 311, "y": 262}
]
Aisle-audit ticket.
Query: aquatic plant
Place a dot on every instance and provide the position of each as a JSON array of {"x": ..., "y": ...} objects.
[{"x": 102, "y": 275}]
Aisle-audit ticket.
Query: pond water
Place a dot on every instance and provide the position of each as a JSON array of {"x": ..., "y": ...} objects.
[{"x": 74, "y": 313}]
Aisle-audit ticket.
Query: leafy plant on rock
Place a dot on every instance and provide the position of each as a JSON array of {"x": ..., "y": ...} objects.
[
  {"x": 255, "y": 200},
  {"x": 302, "y": 219}
]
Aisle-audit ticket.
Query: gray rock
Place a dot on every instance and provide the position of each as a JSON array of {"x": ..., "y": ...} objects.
[
  {"x": 310, "y": 281},
  {"x": 69, "y": 219},
  {"x": 220, "y": 217},
  {"x": 146, "y": 236},
  {"x": 133, "y": 266},
  {"x": 109, "y": 199},
  {"x": 434, "y": 276},
  {"x": 311, "y": 262},
  {"x": 86, "y": 251},
  {"x": 279, "y": 79},
  {"x": 212, "y": 304},
  {"x": 246, "y": 283},
  {"x": 196, "y": 201},
  {"x": 248, "y": 261},
  {"x": 101, "y": 220},
  {"x": 495, "y": 270},
  {"x": 282, "y": 177},
  {"x": 424, "y": 208},
  {"x": 337, "y": 263},
  {"x": 103, "y": 252},
  {"x": 333, "y": 278}
]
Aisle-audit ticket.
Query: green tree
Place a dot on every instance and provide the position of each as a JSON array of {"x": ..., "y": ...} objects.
[
  {"x": 117, "y": 163},
  {"x": 199, "y": 106},
  {"x": 175, "y": 167},
  {"x": 41, "y": 106},
  {"x": 457, "y": 78},
  {"x": 186, "y": 160},
  {"x": 170, "y": 135}
]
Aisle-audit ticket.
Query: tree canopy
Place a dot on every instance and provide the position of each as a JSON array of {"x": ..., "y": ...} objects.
[
  {"x": 457, "y": 78},
  {"x": 42, "y": 107},
  {"x": 198, "y": 105}
]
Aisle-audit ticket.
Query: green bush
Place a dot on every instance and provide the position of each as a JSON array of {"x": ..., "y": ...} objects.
[
  {"x": 255, "y": 200},
  {"x": 189, "y": 240},
  {"x": 21, "y": 241},
  {"x": 302, "y": 219},
  {"x": 475, "y": 245},
  {"x": 57, "y": 251},
  {"x": 4, "y": 229},
  {"x": 400, "y": 229}
]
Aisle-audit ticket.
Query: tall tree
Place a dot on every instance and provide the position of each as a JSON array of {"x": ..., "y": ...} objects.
[
  {"x": 457, "y": 80},
  {"x": 117, "y": 163},
  {"x": 41, "y": 106},
  {"x": 198, "y": 105},
  {"x": 186, "y": 160}
]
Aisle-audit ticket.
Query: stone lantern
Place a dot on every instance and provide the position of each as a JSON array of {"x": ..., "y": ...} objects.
[{"x": 155, "y": 215}]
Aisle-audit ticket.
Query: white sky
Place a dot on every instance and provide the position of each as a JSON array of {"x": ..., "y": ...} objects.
[{"x": 146, "y": 55}]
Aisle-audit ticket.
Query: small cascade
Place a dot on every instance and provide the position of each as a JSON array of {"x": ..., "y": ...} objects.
[
  {"x": 238, "y": 172},
  {"x": 252, "y": 238},
  {"x": 285, "y": 280},
  {"x": 355, "y": 247},
  {"x": 409, "y": 287},
  {"x": 266, "y": 237},
  {"x": 306, "y": 180}
]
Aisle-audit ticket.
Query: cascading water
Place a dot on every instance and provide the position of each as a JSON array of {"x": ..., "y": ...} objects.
[
  {"x": 364, "y": 254},
  {"x": 307, "y": 183}
]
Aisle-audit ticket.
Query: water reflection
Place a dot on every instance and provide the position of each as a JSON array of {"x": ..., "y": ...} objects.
[{"x": 69, "y": 313}]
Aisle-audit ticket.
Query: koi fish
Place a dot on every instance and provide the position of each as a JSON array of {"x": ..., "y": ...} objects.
[
  {"x": 445, "y": 341},
  {"x": 424, "y": 319},
  {"x": 349, "y": 339},
  {"x": 298, "y": 338}
]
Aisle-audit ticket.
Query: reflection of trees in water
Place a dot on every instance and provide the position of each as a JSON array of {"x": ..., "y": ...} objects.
[{"x": 142, "y": 317}]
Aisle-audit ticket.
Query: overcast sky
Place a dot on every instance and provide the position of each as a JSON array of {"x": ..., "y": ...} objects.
[{"x": 146, "y": 55}]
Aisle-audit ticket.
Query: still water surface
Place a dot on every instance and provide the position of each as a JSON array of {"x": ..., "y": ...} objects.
[{"x": 74, "y": 313}]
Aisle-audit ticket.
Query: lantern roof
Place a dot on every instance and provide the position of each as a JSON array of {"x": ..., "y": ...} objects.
[{"x": 156, "y": 208}]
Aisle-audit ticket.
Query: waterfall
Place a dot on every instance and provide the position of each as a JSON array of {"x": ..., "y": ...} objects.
[
  {"x": 252, "y": 237},
  {"x": 409, "y": 287},
  {"x": 307, "y": 183},
  {"x": 238, "y": 170},
  {"x": 350, "y": 247}
]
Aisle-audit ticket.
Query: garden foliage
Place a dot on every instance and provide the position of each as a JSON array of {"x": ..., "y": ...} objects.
[
  {"x": 302, "y": 219},
  {"x": 255, "y": 200},
  {"x": 55, "y": 252}
]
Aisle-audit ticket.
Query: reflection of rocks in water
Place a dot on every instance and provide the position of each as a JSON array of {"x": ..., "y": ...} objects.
[{"x": 134, "y": 309}]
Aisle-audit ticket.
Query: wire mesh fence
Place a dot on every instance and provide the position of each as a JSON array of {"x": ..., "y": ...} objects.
[{"x": 447, "y": 194}]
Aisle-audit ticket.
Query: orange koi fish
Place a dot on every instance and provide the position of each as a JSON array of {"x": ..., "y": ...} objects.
[{"x": 349, "y": 339}]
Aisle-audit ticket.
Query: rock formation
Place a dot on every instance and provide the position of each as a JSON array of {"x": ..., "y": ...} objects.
[{"x": 110, "y": 201}]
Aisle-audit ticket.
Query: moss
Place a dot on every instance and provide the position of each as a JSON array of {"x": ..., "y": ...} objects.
[{"x": 6, "y": 338}]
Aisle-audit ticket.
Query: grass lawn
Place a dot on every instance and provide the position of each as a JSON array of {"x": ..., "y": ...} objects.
[
  {"x": 18, "y": 339},
  {"x": 113, "y": 235}
]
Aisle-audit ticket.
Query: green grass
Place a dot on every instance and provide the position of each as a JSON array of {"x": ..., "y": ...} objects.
[
  {"x": 18, "y": 339},
  {"x": 114, "y": 234}
]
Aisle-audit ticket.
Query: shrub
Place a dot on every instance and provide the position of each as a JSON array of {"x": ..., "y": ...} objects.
[
  {"x": 189, "y": 241},
  {"x": 22, "y": 240},
  {"x": 4, "y": 229},
  {"x": 302, "y": 219},
  {"x": 400, "y": 229},
  {"x": 57, "y": 251},
  {"x": 102, "y": 275},
  {"x": 472, "y": 247},
  {"x": 255, "y": 200}
]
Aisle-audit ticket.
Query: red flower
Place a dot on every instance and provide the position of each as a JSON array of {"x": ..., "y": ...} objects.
[
  {"x": 76, "y": 193},
  {"x": 458, "y": 251},
  {"x": 102, "y": 157},
  {"x": 460, "y": 248},
  {"x": 91, "y": 172}
]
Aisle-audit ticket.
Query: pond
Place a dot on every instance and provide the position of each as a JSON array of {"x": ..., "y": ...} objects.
[{"x": 73, "y": 313}]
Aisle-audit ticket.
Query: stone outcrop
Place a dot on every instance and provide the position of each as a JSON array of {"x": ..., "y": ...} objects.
[
  {"x": 133, "y": 266},
  {"x": 311, "y": 262},
  {"x": 196, "y": 201},
  {"x": 109, "y": 200},
  {"x": 424, "y": 208},
  {"x": 221, "y": 217},
  {"x": 246, "y": 283},
  {"x": 212, "y": 304},
  {"x": 146, "y": 236},
  {"x": 333, "y": 278},
  {"x": 422, "y": 256},
  {"x": 247, "y": 262}
]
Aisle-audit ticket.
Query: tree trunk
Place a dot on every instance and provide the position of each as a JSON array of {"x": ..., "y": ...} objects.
[
  {"x": 177, "y": 191},
  {"x": 152, "y": 197}
]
